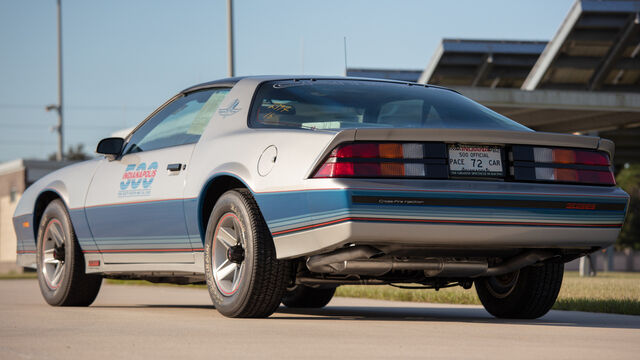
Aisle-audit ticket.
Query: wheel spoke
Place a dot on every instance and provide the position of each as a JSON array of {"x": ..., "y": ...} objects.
[
  {"x": 58, "y": 273},
  {"x": 226, "y": 238},
  {"x": 51, "y": 261},
  {"x": 56, "y": 235},
  {"x": 235, "y": 275},
  {"x": 227, "y": 268}
]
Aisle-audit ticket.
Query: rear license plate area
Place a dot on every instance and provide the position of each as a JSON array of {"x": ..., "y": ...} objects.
[{"x": 475, "y": 161}]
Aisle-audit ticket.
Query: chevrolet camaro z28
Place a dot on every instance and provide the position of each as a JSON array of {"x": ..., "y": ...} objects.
[{"x": 276, "y": 189}]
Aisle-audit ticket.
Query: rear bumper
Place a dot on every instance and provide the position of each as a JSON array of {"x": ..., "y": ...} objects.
[
  {"x": 441, "y": 237},
  {"x": 443, "y": 214}
]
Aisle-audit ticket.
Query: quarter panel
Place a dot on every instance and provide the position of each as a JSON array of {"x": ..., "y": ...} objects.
[
  {"x": 229, "y": 147},
  {"x": 70, "y": 184}
]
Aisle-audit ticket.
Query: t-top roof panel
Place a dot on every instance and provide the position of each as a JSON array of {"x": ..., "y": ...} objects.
[
  {"x": 597, "y": 47},
  {"x": 490, "y": 63}
]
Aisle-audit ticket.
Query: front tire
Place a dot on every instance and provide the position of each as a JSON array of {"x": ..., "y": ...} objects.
[
  {"x": 528, "y": 293},
  {"x": 60, "y": 263},
  {"x": 244, "y": 277}
]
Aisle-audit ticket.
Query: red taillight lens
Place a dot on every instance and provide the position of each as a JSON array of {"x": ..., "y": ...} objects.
[
  {"x": 596, "y": 177},
  {"x": 333, "y": 169},
  {"x": 356, "y": 151},
  {"x": 348, "y": 169},
  {"x": 592, "y": 158}
]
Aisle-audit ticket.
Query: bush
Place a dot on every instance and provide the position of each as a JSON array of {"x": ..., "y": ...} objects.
[{"x": 629, "y": 180}]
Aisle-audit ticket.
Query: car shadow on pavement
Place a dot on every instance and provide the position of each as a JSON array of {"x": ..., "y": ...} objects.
[
  {"x": 457, "y": 314},
  {"x": 154, "y": 306}
]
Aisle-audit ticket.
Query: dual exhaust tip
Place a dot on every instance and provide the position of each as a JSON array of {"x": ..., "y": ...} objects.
[{"x": 362, "y": 260}]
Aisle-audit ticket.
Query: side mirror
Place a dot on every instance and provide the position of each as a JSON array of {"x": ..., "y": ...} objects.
[{"x": 110, "y": 147}]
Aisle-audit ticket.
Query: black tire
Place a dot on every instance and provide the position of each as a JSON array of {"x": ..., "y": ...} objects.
[
  {"x": 260, "y": 280},
  {"x": 72, "y": 287},
  {"x": 525, "y": 294},
  {"x": 307, "y": 297}
]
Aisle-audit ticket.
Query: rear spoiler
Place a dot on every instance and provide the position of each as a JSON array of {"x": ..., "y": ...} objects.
[{"x": 471, "y": 136}]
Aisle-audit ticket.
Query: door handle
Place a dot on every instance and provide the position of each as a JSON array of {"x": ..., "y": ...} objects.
[{"x": 174, "y": 167}]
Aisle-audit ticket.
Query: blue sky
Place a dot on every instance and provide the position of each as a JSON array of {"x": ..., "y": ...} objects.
[{"x": 123, "y": 58}]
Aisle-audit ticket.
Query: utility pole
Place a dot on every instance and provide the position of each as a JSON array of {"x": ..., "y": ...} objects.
[
  {"x": 229, "y": 37},
  {"x": 345, "y": 56},
  {"x": 58, "y": 107}
]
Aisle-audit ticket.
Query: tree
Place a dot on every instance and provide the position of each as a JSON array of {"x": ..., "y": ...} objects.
[
  {"x": 73, "y": 154},
  {"x": 629, "y": 180}
]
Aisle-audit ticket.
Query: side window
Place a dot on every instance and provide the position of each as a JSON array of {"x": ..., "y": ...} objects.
[{"x": 180, "y": 122}]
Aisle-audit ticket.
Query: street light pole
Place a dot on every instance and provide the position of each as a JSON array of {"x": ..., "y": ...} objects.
[
  {"x": 59, "y": 154},
  {"x": 230, "y": 37},
  {"x": 345, "y": 56}
]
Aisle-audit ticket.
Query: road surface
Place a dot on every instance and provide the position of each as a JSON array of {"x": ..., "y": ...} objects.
[{"x": 148, "y": 322}]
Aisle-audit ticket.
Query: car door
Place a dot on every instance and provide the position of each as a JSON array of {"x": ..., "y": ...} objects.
[{"x": 134, "y": 205}]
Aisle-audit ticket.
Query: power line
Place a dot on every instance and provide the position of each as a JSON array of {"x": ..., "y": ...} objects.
[
  {"x": 16, "y": 122},
  {"x": 81, "y": 107},
  {"x": 69, "y": 127},
  {"x": 25, "y": 142},
  {"x": 21, "y": 106}
]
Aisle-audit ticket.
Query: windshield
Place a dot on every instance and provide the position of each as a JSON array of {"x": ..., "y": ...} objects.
[{"x": 344, "y": 104}]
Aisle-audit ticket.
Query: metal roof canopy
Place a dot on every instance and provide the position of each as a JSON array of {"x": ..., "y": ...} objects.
[
  {"x": 614, "y": 116},
  {"x": 401, "y": 75},
  {"x": 489, "y": 63},
  {"x": 596, "y": 48},
  {"x": 561, "y": 110}
]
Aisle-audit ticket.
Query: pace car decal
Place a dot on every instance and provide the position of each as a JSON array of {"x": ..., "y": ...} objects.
[
  {"x": 231, "y": 109},
  {"x": 137, "y": 180}
]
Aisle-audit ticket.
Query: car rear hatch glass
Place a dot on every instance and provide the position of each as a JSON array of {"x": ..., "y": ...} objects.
[{"x": 348, "y": 104}]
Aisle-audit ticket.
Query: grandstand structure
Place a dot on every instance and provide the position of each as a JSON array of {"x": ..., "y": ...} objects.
[{"x": 585, "y": 80}]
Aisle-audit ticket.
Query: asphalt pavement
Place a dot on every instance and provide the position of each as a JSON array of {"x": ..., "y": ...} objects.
[{"x": 153, "y": 322}]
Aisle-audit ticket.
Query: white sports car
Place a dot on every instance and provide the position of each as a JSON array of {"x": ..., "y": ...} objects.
[{"x": 276, "y": 189}]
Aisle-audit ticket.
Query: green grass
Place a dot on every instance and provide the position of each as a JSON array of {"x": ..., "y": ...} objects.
[
  {"x": 17, "y": 276},
  {"x": 617, "y": 293}
]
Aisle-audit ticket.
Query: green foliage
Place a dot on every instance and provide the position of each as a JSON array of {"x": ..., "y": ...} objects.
[
  {"x": 629, "y": 180},
  {"x": 73, "y": 153},
  {"x": 18, "y": 276}
]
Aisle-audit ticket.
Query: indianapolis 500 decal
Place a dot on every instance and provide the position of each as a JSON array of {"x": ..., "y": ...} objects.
[{"x": 137, "y": 180}]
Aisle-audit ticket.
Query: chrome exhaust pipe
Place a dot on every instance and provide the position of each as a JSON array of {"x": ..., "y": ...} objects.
[
  {"x": 357, "y": 260},
  {"x": 518, "y": 262},
  {"x": 330, "y": 263}
]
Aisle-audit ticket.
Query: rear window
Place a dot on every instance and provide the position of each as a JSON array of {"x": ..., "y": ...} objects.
[{"x": 345, "y": 104}]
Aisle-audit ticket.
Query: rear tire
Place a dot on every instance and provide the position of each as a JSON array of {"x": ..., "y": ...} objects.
[
  {"x": 60, "y": 263},
  {"x": 525, "y": 294},
  {"x": 307, "y": 297},
  {"x": 244, "y": 278}
]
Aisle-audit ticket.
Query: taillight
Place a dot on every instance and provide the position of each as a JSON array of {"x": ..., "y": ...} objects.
[
  {"x": 561, "y": 165},
  {"x": 564, "y": 156},
  {"x": 391, "y": 160}
]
